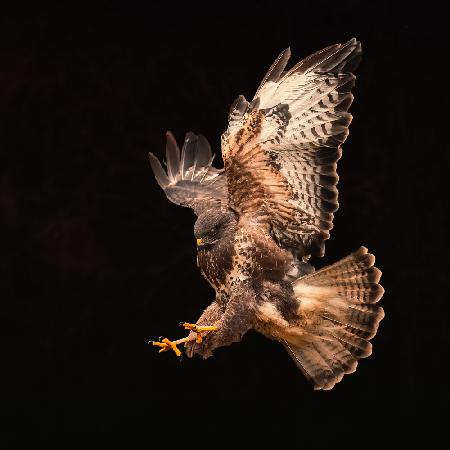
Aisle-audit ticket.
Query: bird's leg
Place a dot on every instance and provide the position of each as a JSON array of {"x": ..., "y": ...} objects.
[
  {"x": 229, "y": 325},
  {"x": 167, "y": 344},
  {"x": 198, "y": 329}
]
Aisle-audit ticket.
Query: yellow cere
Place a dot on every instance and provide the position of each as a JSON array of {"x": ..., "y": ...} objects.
[{"x": 199, "y": 242}]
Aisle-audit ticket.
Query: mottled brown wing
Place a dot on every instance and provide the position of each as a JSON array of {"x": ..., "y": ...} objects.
[
  {"x": 281, "y": 150},
  {"x": 190, "y": 180}
]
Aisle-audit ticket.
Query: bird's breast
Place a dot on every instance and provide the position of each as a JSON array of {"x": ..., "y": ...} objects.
[
  {"x": 215, "y": 262},
  {"x": 241, "y": 255}
]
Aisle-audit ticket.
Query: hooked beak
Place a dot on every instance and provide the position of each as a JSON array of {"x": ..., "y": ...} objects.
[{"x": 201, "y": 244}]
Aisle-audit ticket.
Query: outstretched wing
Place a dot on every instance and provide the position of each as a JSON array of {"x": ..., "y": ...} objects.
[
  {"x": 191, "y": 180},
  {"x": 281, "y": 150}
]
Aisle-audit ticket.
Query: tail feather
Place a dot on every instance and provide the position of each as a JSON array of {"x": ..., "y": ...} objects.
[
  {"x": 339, "y": 315},
  {"x": 323, "y": 362},
  {"x": 311, "y": 364},
  {"x": 342, "y": 361},
  {"x": 356, "y": 345}
]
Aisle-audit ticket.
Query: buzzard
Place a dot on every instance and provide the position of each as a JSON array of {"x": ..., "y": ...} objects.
[{"x": 261, "y": 217}]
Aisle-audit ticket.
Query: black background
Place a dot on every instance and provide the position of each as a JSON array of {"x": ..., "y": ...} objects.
[{"x": 95, "y": 261}]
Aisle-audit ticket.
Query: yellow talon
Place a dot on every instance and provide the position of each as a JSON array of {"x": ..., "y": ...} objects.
[
  {"x": 167, "y": 344},
  {"x": 198, "y": 329}
]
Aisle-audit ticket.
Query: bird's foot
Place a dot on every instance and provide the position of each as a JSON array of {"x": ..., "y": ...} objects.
[
  {"x": 198, "y": 329},
  {"x": 166, "y": 344}
]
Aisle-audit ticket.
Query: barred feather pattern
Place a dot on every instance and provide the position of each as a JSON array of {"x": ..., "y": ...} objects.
[
  {"x": 338, "y": 316},
  {"x": 287, "y": 141},
  {"x": 190, "y": 179}
]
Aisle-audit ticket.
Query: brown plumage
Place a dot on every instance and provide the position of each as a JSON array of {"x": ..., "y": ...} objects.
[{"x": 271, "y": 208}]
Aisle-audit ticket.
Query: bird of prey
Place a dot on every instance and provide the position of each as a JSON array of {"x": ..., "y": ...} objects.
[{"x": 261, "y": 217}]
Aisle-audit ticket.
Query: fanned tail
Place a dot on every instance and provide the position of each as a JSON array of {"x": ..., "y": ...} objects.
[{"x": 339, "y": 315}]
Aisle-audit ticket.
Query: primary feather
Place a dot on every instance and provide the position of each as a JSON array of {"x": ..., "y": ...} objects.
[{"x": 191, "y": 181}]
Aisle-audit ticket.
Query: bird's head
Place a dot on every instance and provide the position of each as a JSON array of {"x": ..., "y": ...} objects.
[{"x": 211, "y": 226}]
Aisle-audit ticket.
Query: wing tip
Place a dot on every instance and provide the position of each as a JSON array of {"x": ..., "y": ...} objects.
[
  {"x": 190, "y": 136},
  {"x": 352, "y": 42},
  {"x": 172, "y": 156},
  {"x": 160, "y": 174},
  {"x": 287, "y": 52},
  {"x": 276, "y": 70}
]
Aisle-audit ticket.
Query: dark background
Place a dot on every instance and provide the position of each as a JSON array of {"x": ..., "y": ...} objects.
[{"x": 95, "y": 261}]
